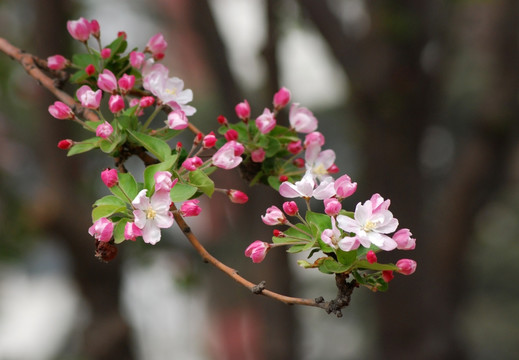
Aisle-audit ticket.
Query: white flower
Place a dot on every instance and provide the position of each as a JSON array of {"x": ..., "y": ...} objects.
[
  {"x": 153, "y": 214},
  {"x": 306, "y": 188},
  {"x": 318, "y": 162}
]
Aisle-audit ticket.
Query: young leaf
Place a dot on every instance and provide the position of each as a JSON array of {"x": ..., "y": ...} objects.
[
  {"x": 119, "y": 230},
  {"x": 330, "y": 266},
  {"x": 110, "y": 200},
  {"x": 182, "y": 192},
  {"x": 364, "y": 264},
  {"x": 150, "y": 171},
  {"x": 84, "y": 146},
  {"x": 128, "y": 184},
  {"x": 106, "y": 210},
  {"x": 200, "y": 179},
  {"x": 157, "y": 147},
  {"x": 346, "y": 258}
]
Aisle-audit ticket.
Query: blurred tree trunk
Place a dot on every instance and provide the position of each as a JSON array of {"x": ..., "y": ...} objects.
[{"x": 61, "y": 209}]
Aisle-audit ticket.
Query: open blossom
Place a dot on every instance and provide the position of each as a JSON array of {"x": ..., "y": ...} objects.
[
  {"x": 104, "y": 130},
  {"x": 177, "y": 120},
  {"x": 79, "y": 29},
  {"x": 56, "y": 62},
  {"x": 228, "y": 156},
  {"x": 266, "y": 121},
  {"x": 306, "y": 188},
  {"x": 273, "y": 216},
  {"x": 257, "y": 251},
  {"x": 370, "y": 226},
  {"x": 301, "y": 119},
  {"x": 152, "y": 214},
  {"x": 137, "y": 59},
  {"x": 102, "y": 229},
  {"x": 131, "y": 231},
  {"x": 61, "y": 111},
  {"x": 157, "y": 45},
  {"x": 89, "y": 98},
  {"x": 332, "y": 236},
  {"x": 318, "y": 162},
  {"x": 190, "y": 208},
  {"x": 344, "y": 187},
  {"x": 404, "y": 240},
  {"x": 107, "y": 81}
]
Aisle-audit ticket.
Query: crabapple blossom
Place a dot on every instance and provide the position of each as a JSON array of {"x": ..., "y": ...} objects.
[
  {"x": 222, "y": 120},
  {"x": 95, "y": 29},
  {"x": 131, "y": 231},
  {"x": 79, "y": 29},
  {"x": 152, "y": 214},
  {"x": 65, "y": 144},
  {"x": 301, "y": 119},
  {"x": 163, "y": 181},
  {"x": 258, "y": 155},
  {"x": 237, "y": 196},
  {"x": 209, "y": 140},
  {"x": 137, "y": 59},
  {"x": 406, "y": 266},
  {"x": 61, "y": 111},
  {"x": 116, "y": 103},
  {"x": 371, "y": 257},
  {"x": 90, "y": 69},
  {"x": 332, "y": 236},
  {"x": 299, "y": 163},
  {"x": 89, "y": 98},
  {"x": 242, "y": 110},
  {"x": 192, "y": 163},
  {"x": 317, "y": 161},
  {"x": 104, "y": 130},
  {"x": 231, "y": 134},
  {"x": 126, "y": 82},
  {"x": 332, "y": 206},
  {"x": 257, "y": 251},
  {"x": 266, "y": 121},
  {"x": 273, "y": 216},
  {"x": 177, "y": 120},
  {"x": 107, "y": 81},
  {"x": 387, "y": 275},
  {"x": 333, "y": 169},
  {"x": 404, "y": 240},
  {"x": 370, "y": 226},
  {"x": 157, "y": 45},
  {"x": 344, "y": 187},
  {"x": 281, "y": 98},
  {"x": 306, "y": 188},
  {"x": 190, "y": 208},
  {"x": 295, "y": 147},
  {"x": 314, "y": 138},
  {"x": 146, "y": 101},
  {"x": 105, "y": 53},
  {"x": 56, "y": 62},
  {"x": 228, "y": 156},
  {"x": 102, "y": 229},
  {"x": 110, "y": 177},
  {"x": 290, "y": 208}
]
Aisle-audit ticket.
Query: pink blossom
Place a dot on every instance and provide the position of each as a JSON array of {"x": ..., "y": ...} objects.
[
  {"x": 231, "y": 134},
  {"x": 228, "y": 156},
  {"x": 301, "y": 119},
  {"x": 102, "y": 229},
  {"x": 157, "y": 45},
  {"x": 258, "y": 155},
  {"x": 152, "y": 214},
  {"x": 105, "y": 53},
  {"x": 281, "y": 98},
  {"x": 61, "y": 111},
  {"x": 90, "y": 69},
  {"x": 110, "y": 177},
  {"x": 332, "y": 236},
  {"x": 65, "y": 144},
  {"x": 404, "y": 240},
  {"x": 95, "y": 29},
  {"x": 308, "y": 188},
  {"x": 295, "y": 147},
  {"x": 56, "y": 62},
  {"x": 177, "y": 120},
  {"x": 126, "y": 82},
  {"x": 107, "y": 81},
  {"x": 163, "y": 181},
  {"x": 290, "y": 208},
  {"x": 266, "y": 121},
  {"x": 406, "y": 266},
  {"x": 273, "y": 216},
  {"x": 243, "y": 110},
  {"x": 257, "y": 251},
  {"x": 131, "y": 231},
  {"x": 371, "y": 257},
  {"x": 332, "y": 206},
  {"x": 209, "y": 140},
  {"x": 298, "y": 162},
  {"x": 370, "y": 226},
  {"x": 314, "y": 138},
  {"x": 146, "y": 101},
  {"x": 104, "y": 130},
  {"x": 237, "y": 196},
  {"x": 192, "y": 163},
  {"x": 137, "y": 59},
  {"x": 344, "y": 187},
  {"x": 190, "y": 208},
  {"x": 79, "y": 29},
  {"x": 317, "y": 161},
  {"x": 89, "y": 98},
  {"x": 116, "y": 103}
]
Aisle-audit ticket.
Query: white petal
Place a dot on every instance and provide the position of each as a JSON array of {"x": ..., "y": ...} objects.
[{"x": 151, "y": 233}]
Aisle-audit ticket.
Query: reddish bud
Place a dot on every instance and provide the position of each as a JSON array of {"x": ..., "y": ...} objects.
[
  {"x": 146, "y": 101},
  {"x": 299, "y": 162},
  {"x": 290, "y": 208},
  {"x": 116, "y": 103},
  {"x": 333, "y": 169},
  {"x": 209, "y": 140},
  {"x": 198, "y": 138},
  {"x": 295, "y": 147},
  {"x": 65, "y": 144},
  {"x": 110, "y": 177},
  {"x": 105, "y": 53},
  {"x": 243, "y": 110},
  {"x": 95, "y": 29},
  {"x": 237, "y": 196},
  {"x": 281, "y": 98},
  {"x": 61, "y": 111},
  {"x": 278, "y": 233},
  {"x": 257, "y": 251},
  {"x": 371, "y": 257},
  {"x": 406, "y": 266},
  {"x": 258, "y": 155},
  {"x": 90, "y": 70},
  {"x": 231, "y": 134},
  {"x": 222, "y": 120},
  {"x": 123, "y": 34},
  {"x": 387, "y": 275},
  {"x": 283, "y": 178},
  {"x": 56, "y": 62}
]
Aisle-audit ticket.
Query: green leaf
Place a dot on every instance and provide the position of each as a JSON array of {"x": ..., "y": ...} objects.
[
  {"x": 83, "y": 60},
  {"x": 84, "y": 146},
  {"x": 321, "y": 221},
  {"x": 127, "y": 122},
  {"x": 157, "y": 147},
  {"x": 330, "y": 266},
  {"x": 364, "y": 264},
  {"x": 149, "y": 172},
  {"x": 346, "y": 258},
  {"x": 297, "y": 248},
  {"x": 182, "y": 192},
  {"x": 119, "y": 230},
  {"x": 106, "y": 210},
  {"x": 127, "y": 185},
  {"x": 110, "y": 200},
  {"x": 200, "y": 179},
  {"x": 273, "y": 147},
  {"x": 274, "y": 182},
  {"x": 117, "y": 46}
]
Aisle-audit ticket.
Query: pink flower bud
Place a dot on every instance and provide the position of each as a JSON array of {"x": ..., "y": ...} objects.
[
  {"x": 157, "y": 45},
  {"x": 278, "y": 233},
  {"x": 61, "y": 111},
  {"x": 56, "y": 62},
  {"x": 136, "y": 59},
  {"x": 116, "y": 103},
  {"x": 228, "y": 156},
  {"x": 105, "y": 53},
  {"x": 371, "y": 257},
  {"x": 198, "y": 139},
  {"x": 123, "y": 34},
  {"x": 79, "y": 29},
  {"x": 281, "y": 98},
  {"x": 222, "y": 120},
  {"x": 332, "y": 206},
  {"x": 333, "y": 169},
  {"x": 89, "y": 98},
  {"x": 192, "y": 163},
  {"x": 126, "y": 83},
  {"x": 314, "y": 138},
  {"x": 243, "y": 110},
  {"x": 344, "y": 187},
  {"x": 163, "y": 181},
  {"x": 177, "y": 120},
  {"x": 273, "y": 216},
  {"x": 299, "y": 163},
  {"x": 209, "y": 140},
  {"x": 190, "y": 208},
  {"x": 403, "y": 239},
  {"x": 95, "y": 29},
  {"x": 65, "y": 144},
  {"x": 131, "y": 231},
  {"x": 102, "y": 230},
  {"x": 146, "y": 101},
  {"x": 110, "y": 177},
  {"x": 90, "y": 69},
  {"x": 301, "y": 119},
  {"x": 258, "y": 155},
  {"x": 387, "y": 275},
  {"x": 257, "y": 251},
  {"x": 104, "y": 130},
  {"x": 237, "y": 196},
  {"x": 406, "y": 266},
  {"x": 231, "y": 135},
  {"x": 295, "y": 147},
  {"x": 283, "y": 178},
  {"x": 290, "y": 208},
  {"x": 266, "y": 122},
  {"x": 107, "y": 81}
]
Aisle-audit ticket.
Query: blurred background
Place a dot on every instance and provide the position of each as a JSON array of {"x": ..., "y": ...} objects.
[{"x": 419, "y": 99}]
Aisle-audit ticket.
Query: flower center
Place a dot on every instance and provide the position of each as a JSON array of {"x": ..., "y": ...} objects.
[
  {"x": 369, "y": 225},
  {"x": 171, "y": 91},
  {"x": 319, "y": 170},
  {"x": 150, "y": 213}
]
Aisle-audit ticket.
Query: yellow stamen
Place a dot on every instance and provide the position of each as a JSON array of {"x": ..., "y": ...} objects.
[{"x": 150, "y": 213}]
